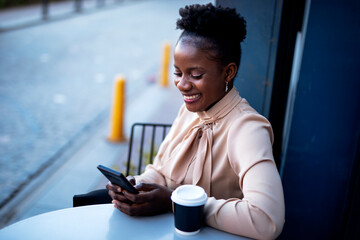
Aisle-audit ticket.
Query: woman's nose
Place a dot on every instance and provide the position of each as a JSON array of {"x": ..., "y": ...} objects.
[{"x": 183, "y": 84}]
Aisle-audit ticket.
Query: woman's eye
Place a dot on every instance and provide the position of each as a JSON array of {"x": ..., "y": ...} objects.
[
  {"x": 198, "y": 76},
  {"x": 177, "y": 74}
]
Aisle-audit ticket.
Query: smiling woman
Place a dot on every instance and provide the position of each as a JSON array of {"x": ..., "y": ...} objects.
[{"x": 218, "y": 141}]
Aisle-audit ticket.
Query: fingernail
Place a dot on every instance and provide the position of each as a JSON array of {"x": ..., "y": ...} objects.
[{"x": 119, "y": 189}]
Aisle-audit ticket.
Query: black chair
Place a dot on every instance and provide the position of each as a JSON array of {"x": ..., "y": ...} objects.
[
  {"x": 153, "y": 133},
  {"x": 149, "y": 132}
]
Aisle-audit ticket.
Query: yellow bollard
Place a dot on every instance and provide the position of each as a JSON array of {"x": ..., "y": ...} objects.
[
  {"x": 165, "y": 65},
  {"x": 117, "y": 118}
]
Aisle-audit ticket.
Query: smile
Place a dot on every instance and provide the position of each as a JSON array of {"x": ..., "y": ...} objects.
[{"x": 191, "y": 98}]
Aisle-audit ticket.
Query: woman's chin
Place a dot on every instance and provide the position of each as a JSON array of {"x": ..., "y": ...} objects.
[{"x": 193, "y": 107}]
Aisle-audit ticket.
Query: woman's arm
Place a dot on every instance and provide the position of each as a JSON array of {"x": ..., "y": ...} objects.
[
  {"x": 260, "y": 213},
  {"x": 154, "y": 196}
]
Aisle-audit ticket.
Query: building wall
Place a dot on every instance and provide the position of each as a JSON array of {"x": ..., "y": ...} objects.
[
  {"x": 255, "y": 77},
  {"x": 325, "y": 128},
  {"x": 321, "y": 167}
]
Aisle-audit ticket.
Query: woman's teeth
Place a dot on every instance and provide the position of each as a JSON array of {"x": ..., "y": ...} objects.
[{"x": 191, "y": 97}]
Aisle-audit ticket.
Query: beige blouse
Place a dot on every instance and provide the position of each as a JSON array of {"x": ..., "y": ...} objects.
[{"x": 227, "y": 150}]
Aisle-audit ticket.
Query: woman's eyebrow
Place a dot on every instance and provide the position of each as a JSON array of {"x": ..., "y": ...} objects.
[
  {"x": 191, "y": 68},
  {"x": 194, "y": 68}
]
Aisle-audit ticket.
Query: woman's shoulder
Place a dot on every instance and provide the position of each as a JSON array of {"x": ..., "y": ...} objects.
[
  {"x": 245, "y": 112},
  {"x": 247, "y": 118}
]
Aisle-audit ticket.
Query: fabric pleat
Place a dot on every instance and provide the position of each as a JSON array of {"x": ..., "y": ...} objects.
[{"x": 196, "y": 146}]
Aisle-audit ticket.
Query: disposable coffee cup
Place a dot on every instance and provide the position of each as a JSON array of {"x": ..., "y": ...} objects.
[{"x": 188, "y": 203}]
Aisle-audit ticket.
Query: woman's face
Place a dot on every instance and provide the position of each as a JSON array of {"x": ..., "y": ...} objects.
[{"x": 200, "y": 80}]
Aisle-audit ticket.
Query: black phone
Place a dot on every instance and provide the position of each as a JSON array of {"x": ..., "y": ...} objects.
[{"x": 117, "y": 178}]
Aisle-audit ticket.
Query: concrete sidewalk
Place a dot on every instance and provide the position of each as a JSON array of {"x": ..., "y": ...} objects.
[
  {"x": 79, "y": 174},
  {"x": 55, "y": 94}
]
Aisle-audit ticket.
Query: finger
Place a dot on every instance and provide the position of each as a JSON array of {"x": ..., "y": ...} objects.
[
  {"x": 146, "y": 186},
  {"x": 113, "y": 187},
  {"x": 131, "y": 209},
  {"x": 131, "y": 180},
  {"x": 131, "y": 196},
  {"x": 121, "y": 198},
  {"x": 119, "y": 206},
  {"x": 146, "y": 194},
  {"x": 118, "y": 196},
  {"x": 112, "y": 194},
  {"x": 110, "y": 187}
]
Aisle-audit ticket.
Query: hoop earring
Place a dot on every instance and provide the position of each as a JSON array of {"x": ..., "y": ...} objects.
[{"x": 226, "y": 87}]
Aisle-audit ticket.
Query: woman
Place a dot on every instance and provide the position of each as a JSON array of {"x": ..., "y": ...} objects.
[{"x": 217, "y": 140}]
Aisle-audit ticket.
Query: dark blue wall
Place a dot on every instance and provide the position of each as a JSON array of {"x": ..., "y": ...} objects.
[
  {"x": 320, "y": 170},
  {"x": 255, "y": 77},
  {"x": 326, "y": 124}
]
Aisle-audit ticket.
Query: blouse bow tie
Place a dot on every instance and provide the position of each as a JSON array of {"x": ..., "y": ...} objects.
[{"x": 196, "y": 147}]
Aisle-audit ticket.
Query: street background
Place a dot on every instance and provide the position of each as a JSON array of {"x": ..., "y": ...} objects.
[{"x": 56, "y": 89}]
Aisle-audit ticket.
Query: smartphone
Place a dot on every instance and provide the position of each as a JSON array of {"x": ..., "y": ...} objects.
[{"x": 117, "y": 178}]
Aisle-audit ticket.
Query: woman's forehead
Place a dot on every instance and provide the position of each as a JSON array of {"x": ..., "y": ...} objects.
[
  {"x": 185, "y": 48},
  {"x": 194, "y": 46},
  {"x": 196, "y": 41},
  {"x": 188, "y": 55}
]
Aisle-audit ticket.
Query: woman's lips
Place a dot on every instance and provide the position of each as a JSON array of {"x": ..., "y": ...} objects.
[{"x": 191, "y": 98}]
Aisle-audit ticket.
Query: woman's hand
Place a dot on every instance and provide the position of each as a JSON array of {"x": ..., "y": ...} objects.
[
  {"x": 152, "y": 199},
  {"x": 116, "y": 192}
]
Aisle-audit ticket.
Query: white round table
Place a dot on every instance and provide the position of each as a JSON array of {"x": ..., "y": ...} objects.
[{"x": 101, "y": 222}]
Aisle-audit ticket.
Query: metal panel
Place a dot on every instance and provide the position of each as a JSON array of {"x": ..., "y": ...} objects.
[
  {"x": 255, "y": 78},
  {"x": 325, "y": 128}
]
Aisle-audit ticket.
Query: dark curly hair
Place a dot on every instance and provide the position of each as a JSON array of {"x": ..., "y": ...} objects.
[{"x": 223, "y": 29}]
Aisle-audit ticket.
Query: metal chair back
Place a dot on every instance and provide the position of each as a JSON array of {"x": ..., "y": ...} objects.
[{"x": 148, "y": 132}]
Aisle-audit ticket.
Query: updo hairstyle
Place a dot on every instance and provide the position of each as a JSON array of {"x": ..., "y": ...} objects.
[{"x": 216, "y": 30}]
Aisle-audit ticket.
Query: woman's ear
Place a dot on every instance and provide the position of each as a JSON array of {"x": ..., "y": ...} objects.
[{"x": 230, "y": 72}]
